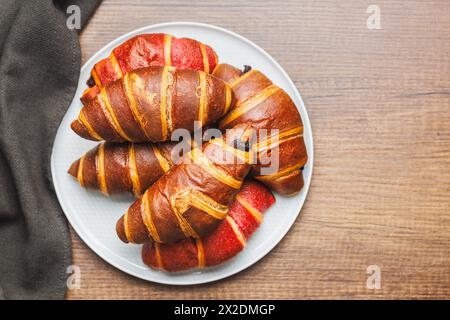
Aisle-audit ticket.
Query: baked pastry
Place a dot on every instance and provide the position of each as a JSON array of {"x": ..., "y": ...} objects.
[
  {"x": 150, "y": 103},
  {"x": 146, "y": 50},
  {"x": 192, "y": 197},
  {"x": 276, "y": 121},
  {"x": 230, "y": 237},
  {"x": 115, "y": 168}
]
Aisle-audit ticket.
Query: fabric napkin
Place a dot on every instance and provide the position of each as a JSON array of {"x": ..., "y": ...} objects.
[{"x": 39, "y": 69}]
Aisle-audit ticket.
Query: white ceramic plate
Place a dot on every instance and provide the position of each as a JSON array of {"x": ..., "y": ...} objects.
[{"x": 93, "y": 216}]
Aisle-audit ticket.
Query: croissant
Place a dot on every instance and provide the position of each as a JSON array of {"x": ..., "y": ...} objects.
[
  {"x": 267, "y": 106},
  {"x": 244, "y": 217},
  {"x": 150, "y": 103},
  {"x": 192, "y": 197},
  {"x": 147, "y": 50},
  {"x": 115, "y": 168}
]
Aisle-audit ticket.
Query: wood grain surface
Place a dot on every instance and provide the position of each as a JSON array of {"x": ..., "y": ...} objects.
[{"x": 379, "y": 103}]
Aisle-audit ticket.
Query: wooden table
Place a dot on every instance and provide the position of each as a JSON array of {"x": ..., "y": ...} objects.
[{"x": 379, "y": 103}]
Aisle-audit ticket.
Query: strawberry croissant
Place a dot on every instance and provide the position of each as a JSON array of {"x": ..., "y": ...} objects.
[
  {"x": 192, "y": 197},
  {"x": 269, "y": 107},
  {"x": 150, "y": 103},
  {"x": 244, "y": 217},
  {"x": 147, "y": 50}
]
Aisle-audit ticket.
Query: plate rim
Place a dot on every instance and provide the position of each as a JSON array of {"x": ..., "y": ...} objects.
[{"x": 281, "y": 235}]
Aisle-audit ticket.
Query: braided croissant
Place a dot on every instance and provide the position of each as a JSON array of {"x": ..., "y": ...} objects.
[
  {"x": 193, "y": 196},
  {"x": 244, "y": 217},
  {"x": 150, "y": 103},
  {"x": 147, "y": 50},
  {"x": 267, "y": 106},
  {"x": 123, "y": 167}
]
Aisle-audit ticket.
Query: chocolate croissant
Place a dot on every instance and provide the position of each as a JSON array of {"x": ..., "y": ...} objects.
[
  {"x": 147, "y": 50},
  {"x": 230, "y": 237},
  {"x": 267, "y": 106},
  {"x": 115, "y": 168},
  {"x": 192, "y": 197},
  {"x": 150, "y": 103}
]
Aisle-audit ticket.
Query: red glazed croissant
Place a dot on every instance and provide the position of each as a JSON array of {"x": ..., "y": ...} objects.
[
  {"x": 147, "y": 50},
  {"x": 192, "y": 197},
  {"x": 267, "y": 106},
  {"x": 244, "y": 217},
  {"x": 150, "y": 103}
]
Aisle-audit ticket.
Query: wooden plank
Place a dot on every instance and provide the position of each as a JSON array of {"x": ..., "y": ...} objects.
[{"x": 379, "y": 102}]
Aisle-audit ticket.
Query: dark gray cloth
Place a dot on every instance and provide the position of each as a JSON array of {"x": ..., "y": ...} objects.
[{"x": 39, "y": 70}]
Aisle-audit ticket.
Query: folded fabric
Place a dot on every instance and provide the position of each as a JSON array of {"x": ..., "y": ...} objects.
[{"x": 39, "y": 70}]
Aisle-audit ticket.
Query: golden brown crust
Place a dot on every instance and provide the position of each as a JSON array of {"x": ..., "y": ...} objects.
[
  {"x": 266, "y": 106},
  {"x": 167, "y": 50},
  {"x": 147, "y": 50},
  {"x": 122, "y": 167},
  {"x": 192, "y": 198},
  {"x": 79, "y": 171},
  {"x": 90, "y": 131},
  {"x": 100, "y": 168},
  {"x": 147, "y": 218},
  {"x": 132, "y": 165},
  {"x": 115, "y": 64},
  {"x": 200, "y": 253},
  {"x": 204, "y": 58},
  {"x": 222, "y": 244},
  {"x": 202, "y": 103},
  {"x": 150, "y": 103},
  {"x": 126, "y": 228},
  {"x": 227, "y": 72}
]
